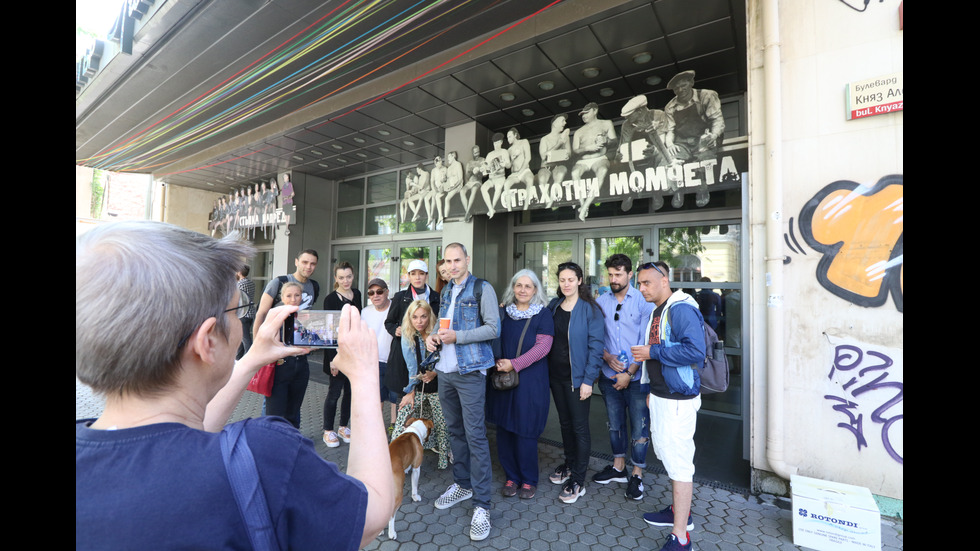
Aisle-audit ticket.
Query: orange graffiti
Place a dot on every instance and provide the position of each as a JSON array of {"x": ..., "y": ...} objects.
[{"x": 860, "y": 231}]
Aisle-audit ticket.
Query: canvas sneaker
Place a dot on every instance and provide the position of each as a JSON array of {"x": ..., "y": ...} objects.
[
  {"x": 480, "y": 526},
  {"x": 673, "y": 544},
  {"x": 571, "y": 491},
  {"x": 666, "y": 518},
  {"x": 561, "y": 474},
  {"x": 452, "y": 496},
  {"x": 609, "y": 474},
  {"x": 635, "y": 488}
]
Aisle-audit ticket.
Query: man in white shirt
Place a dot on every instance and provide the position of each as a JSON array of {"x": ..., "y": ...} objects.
[{"x": 374, "y": 315}]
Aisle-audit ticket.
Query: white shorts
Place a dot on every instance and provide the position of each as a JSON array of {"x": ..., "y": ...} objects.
[{"x": 672, "y": 425}]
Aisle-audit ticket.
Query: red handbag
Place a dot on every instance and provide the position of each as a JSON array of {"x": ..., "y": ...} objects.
[{"x": 262, "y": 380}]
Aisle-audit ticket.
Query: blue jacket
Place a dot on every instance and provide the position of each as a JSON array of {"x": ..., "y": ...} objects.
[
  {"x": 681, "y": 348},
  {"x": 474, "y": 340},
  {"x": 586, "y": 335}
]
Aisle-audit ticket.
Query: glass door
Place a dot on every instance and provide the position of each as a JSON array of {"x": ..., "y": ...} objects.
[
  {"x": 705, "y": 262},
  {"x": 543, "y": 257}
]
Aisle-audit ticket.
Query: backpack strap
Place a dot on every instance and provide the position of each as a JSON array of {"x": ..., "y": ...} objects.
[{"x": 244, "y": 479}]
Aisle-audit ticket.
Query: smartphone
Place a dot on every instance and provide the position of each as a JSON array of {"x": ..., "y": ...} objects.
[{"x": 311, "y": 328}]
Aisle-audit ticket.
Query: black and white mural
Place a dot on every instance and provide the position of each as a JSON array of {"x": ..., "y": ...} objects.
[
  {"x": 671, "y": 153},
  {"x": 253, "y": 209}
]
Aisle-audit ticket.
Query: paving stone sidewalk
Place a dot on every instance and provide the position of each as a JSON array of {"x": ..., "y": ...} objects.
[{"x": 602, "y": 519}]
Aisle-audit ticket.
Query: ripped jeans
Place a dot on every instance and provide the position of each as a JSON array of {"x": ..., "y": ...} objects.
[{"x": 630, "y": 401}]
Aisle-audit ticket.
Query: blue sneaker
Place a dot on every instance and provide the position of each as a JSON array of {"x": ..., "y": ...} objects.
[
  {"x": 666, "y": 518},
  {"x": 672, "y": 544}
]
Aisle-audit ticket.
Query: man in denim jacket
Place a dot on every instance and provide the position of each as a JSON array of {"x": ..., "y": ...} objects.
[
  {"x": 464, "y": 357},
  {"x": 671, "y": 357}
]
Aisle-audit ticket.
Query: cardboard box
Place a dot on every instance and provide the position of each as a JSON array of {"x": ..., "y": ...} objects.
[{"x": 833, "y": 516}]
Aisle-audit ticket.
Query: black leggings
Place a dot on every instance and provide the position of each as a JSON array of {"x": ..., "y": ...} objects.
[
  {"x": 573, "y": 417},
  {"x": 339, "y": 383}
]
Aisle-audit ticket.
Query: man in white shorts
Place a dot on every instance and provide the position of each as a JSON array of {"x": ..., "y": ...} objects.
[{"x": 674, "y": 350}]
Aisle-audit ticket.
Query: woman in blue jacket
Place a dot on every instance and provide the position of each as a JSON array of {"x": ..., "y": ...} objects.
[{"x": 573, "y": 366}]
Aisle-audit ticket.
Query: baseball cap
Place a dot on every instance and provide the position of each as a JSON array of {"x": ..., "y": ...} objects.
[
  {"x": 377, "y": 281},
  {"x": 418, "y": 265},
  {"x": 589, "y": 106}
]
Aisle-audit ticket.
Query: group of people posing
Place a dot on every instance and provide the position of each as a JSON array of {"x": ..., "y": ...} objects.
[
  {"x": 564, "y": 347},
  {"x": 431, "y": 353}
]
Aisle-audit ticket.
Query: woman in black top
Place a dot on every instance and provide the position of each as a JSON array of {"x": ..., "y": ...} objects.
[{"x": 343, "y": 293}]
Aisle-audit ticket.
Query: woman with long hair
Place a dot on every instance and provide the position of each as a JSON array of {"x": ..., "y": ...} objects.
[
  {"x": 343, "y": 293},
  {"x": 574, "y": 364},
  {"x": 520, "y": 413},
  {"x": 422, "y": 393}
]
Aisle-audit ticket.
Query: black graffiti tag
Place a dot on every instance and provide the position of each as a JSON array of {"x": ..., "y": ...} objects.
[{"x": 848, "y": 358}]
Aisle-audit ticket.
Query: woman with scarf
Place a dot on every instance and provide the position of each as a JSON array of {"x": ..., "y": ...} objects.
[{"x": 520, "y": 413}]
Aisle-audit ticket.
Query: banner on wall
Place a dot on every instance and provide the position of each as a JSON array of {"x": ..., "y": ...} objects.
[
  {"x": 254, "y": 208},
  {"x": 677, "y": 153}
]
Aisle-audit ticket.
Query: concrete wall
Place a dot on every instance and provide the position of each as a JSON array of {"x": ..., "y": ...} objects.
[
  {"x": 843, "y": 327},
  {"x": 188, "y": 207}
]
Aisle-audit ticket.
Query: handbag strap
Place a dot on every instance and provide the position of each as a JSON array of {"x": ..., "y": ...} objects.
[
  {"x": 520, "y": 343},
  {"x": 244, "y": 479}
]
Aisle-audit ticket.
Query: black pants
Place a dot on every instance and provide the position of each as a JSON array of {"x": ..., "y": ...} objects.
[
  {"x": 338, "y": 384},
  {"x": 573, "y": 418}
]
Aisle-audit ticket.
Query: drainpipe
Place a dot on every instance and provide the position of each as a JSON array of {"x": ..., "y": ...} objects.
[{"x": 775, "y": 351}]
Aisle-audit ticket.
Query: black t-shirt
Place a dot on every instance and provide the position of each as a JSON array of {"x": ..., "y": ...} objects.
[{"x": 559, "y": 366}]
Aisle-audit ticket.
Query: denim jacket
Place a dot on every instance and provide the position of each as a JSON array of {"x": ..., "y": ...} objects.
[
  {"x": 410, "y": 348},
  {"x": 474, "y": 350}
]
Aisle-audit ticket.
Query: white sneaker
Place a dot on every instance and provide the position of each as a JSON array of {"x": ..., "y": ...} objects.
[
  {"x": 452, "y": 496},
  {"x": 480, "y": 527}
]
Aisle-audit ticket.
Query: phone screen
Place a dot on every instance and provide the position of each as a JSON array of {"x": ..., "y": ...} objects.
[{"x": 311, "y": 328}]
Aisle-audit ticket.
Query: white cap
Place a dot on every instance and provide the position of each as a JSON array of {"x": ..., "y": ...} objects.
[
  {"x": 418, "y": 265},
  {"x": 633, "y": 104}
]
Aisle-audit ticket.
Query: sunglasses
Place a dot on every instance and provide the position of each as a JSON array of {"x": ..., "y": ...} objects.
[
  {"x": 650, "y": 265},
  {"x": 379, "y": 292}
]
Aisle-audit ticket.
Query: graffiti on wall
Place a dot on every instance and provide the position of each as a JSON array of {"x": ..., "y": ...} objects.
[
  {"x": 866, "y": 378},
  {"x": 859, "y": 231}
]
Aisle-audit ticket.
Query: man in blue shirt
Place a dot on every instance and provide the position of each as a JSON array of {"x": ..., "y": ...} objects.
[{"x": 626, "y": 314}]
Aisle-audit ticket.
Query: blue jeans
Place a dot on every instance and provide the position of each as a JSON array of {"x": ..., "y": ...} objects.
[{"x": 620, "y": 403}]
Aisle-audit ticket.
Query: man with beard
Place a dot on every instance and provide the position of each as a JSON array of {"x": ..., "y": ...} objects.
[{"x": 626, "y": 313}]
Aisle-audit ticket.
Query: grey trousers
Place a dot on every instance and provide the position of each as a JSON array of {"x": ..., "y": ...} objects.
[{"x": 463, "y": 399}]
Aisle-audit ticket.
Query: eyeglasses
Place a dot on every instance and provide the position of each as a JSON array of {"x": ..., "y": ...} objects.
[
  {"x": 249, "y": 305},
  {"x": 653, "y": 265},
  {"x": 371, "y": 293},
  {"x": 183, "y": 341}
]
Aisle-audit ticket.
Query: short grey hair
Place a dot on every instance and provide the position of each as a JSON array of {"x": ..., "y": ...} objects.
[
  {"x": 539, "y": 296},
  {"x": 141, "y": 289}
]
